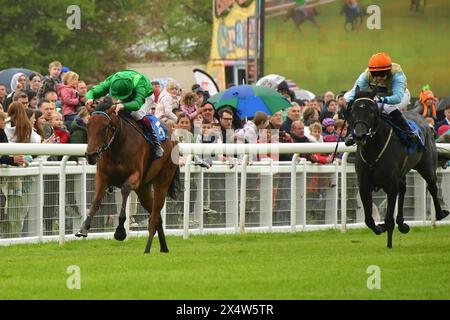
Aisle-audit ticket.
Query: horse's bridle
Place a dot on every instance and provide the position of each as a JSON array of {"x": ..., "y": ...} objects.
[
  {"x": 107, "y": 144},
  {"x": 371, "y": 133},
  {"x": 371, "y": 130}
]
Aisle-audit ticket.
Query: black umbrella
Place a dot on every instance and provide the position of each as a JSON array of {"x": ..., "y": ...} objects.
[{"x": 7, "y": 74}]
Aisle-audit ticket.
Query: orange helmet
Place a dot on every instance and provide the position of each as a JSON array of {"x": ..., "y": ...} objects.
[{"x": 380, "y": 62}]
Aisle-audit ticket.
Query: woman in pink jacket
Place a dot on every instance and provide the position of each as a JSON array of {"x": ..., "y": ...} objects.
[{"x": 68, "y": 95}]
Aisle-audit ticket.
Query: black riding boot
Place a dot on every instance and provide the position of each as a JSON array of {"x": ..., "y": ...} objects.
[
  {"x": 159, "y": 151},
  {"x": 403, "y": 124}
]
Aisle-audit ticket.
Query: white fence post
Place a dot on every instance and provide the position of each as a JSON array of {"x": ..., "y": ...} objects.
[
  {"x": 243, "y": 193},
  {"x": 187, "y": 196},
  {"x": 294, "y": 192},
  {"x": 344, "y": 192},
  {"x": 62, "y": 200},
  {"x": 40, "y": 202}
]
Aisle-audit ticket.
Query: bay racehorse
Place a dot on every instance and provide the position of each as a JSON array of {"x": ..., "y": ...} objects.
[
  {"x": 300, "y": 16},
  {"x": 124, "y": 159},
  {"x": 382, "y": 162}
]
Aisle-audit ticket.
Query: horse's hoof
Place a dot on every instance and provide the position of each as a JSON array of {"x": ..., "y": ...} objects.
[
  {"x": 403, "y": 228},
  {"x": 81, "y": 233},
  {"x": 442, "y": 215},
  {"x": 120, "y": 234},
  {"x": 379, "y": 229},
  {"x": 165, "y": 250}
]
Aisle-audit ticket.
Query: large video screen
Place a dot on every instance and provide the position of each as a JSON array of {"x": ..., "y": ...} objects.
[{"x": 325, "y": 45}]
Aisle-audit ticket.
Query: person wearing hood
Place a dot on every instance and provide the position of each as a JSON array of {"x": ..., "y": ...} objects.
[
  {"x": 67, "y": 91},
  {"x": 18, "y": 82},
  {"x": 428, "y": 103}
]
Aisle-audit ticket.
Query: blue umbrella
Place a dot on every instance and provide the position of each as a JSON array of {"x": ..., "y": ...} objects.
[{"x": 248, "y": 99}]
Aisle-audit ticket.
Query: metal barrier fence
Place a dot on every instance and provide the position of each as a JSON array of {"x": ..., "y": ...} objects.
[
  {"x": 48, "y": 200},
  {"x": 279, "y": 197}
]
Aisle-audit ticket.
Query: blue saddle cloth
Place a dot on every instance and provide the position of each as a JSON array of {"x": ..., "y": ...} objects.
[
  {"x": 410, "y": 145},
  {"x": 162, "y": 133}
]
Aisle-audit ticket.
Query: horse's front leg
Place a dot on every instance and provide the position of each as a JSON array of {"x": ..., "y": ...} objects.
[
  {"x": 365, "y": 194},
  {"x": 120, "y": 233},
  {"x": 402, "y": 227},
  {"x": 100, "y": 187},
  {"x": 389, "y": 218}
]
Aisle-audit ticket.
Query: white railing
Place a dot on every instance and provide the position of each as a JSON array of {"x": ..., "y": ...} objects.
[{"x": 280, "y": 196}]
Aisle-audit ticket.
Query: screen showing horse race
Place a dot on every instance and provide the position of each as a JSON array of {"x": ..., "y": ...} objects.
[{"x": 325, "y": 44}]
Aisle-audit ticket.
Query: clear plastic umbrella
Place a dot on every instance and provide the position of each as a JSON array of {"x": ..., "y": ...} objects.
[{"x": 7, "y": 74}]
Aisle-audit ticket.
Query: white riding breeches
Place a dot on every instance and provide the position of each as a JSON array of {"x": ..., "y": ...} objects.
[
  {"x": 145, "y": 109},
  {"x": 402, "y": 106}
]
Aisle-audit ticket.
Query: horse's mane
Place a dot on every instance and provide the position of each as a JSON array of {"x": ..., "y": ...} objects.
[{"x": 362, "y": 94}]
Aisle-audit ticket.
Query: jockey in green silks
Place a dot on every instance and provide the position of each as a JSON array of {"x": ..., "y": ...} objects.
[{"x": 130, "y": 89}]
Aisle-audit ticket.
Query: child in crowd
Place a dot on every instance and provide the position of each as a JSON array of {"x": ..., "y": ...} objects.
[
  {"x": 170, "y": 124},
  {"x": 69, "y": 97},
  {"x": 50, "y": 81},
  {"x": 63, "y": 136},
  {"x": 167, "y": 101},
  {"x": 189, "y": 106},
  {"x": 208, "y": 135},
  {"x": 329, "y": 127},
  {"x": 316, "y": 136},
  {"x": 341, "y": 131}
]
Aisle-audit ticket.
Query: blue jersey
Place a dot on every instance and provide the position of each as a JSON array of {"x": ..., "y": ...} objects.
[{"x": 392, "y": 89}]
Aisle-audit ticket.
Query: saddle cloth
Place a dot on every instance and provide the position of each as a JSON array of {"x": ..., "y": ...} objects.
[
  {"x": 410, "y": 145},
  {"x": 162, "y": 133}
]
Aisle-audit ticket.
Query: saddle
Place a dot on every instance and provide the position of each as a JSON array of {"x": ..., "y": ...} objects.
[
  {"x": 138, "y": 127},
  {"x": 160, "y": 129},
  {"x": 411, "y": 146}
]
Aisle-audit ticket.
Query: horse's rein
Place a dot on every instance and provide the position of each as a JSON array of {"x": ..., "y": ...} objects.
[
  {"x": 107, "y": 144},
  {"x": 381, "y": 152}
]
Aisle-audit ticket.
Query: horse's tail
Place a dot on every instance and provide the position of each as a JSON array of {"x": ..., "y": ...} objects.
[{"x": 175, "y": 185}]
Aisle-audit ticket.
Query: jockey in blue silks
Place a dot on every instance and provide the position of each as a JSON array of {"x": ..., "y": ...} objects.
[{"x": 392, "y": 94}]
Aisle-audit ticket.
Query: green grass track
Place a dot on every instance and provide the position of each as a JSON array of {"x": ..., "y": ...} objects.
[{"x": 302, "y": 265}]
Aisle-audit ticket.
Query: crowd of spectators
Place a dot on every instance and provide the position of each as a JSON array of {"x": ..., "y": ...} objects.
[{"x": 51, "y": 109}]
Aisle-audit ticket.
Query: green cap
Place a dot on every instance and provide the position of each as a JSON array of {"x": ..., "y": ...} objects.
[{"x": 121, "y": 87}]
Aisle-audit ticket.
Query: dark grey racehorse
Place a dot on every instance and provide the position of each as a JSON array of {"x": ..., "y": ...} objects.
[
  {"x": 382, "y": 162},
  {"x": 353, "y": 17}
]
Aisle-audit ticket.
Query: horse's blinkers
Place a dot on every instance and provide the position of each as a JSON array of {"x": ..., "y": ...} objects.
[{"x": 365, "y": 114}]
